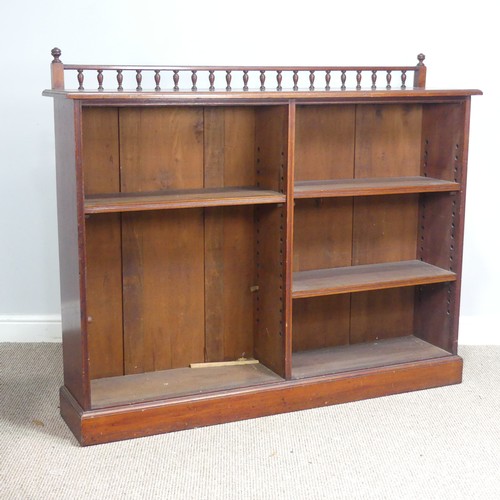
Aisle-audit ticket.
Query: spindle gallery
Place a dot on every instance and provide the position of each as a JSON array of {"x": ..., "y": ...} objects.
[{"x": 243, "y": 241}]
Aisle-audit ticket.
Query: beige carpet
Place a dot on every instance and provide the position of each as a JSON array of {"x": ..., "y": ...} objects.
[{"x": 441, "y": 443}]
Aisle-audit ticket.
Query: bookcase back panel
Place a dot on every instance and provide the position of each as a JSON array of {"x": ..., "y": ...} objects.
[
  {"x": 388, "y": 140},
  {"x": 321, "y": 322},
  {"x": 323, "y": 233},
  {"x": 163, "y": 289},
  {"x": 381, "y": 314},
  {"x": 161, "y": 148},
  {"x": 104, "y": 295},
  {"x": 229, "y": 278},
  {"x": 324, "y": 142},
  {"x": 101, "y": 150},
  {"x": 229, "y": 146},
  {"x": 101, "y": 172}
]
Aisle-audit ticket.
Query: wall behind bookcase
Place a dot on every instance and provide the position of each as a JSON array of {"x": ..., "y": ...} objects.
[{"x": 223, "y": 32}]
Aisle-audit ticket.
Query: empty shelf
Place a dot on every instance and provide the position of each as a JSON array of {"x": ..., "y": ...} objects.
[
  {"x": 371, "y": 186},
  {"x": 186, "y": 198},
  {"x": 367, "y": 277},
  {"x": 127, "y": 389},
  {"x": 375, "y": 354}
]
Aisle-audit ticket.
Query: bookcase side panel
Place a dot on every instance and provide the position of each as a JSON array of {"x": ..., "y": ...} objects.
[
  {"x": 444, "y": 153},
  {"x": 67, "y": 119},
  {"x": 271, "y": 157}
]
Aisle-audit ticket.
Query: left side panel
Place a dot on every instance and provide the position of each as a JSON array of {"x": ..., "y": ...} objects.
[{"x": 67, "y": 118}]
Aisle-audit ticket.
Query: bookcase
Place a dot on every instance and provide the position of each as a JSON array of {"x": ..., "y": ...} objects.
[{"x": 243, "y": 241}]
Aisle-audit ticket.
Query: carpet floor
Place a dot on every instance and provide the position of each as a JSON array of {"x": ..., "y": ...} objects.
[{"x": 436, "y": 444}]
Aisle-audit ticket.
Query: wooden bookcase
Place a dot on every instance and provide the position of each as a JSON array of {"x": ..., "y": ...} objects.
[{"x": 276, "y": 242}]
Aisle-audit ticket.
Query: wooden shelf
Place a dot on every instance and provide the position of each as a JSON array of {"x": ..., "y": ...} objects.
[
  {"x": 371, "y": 186},
  {"x": 178, "y": 382},
  {"x": 367, "y": 277},
  {"x": 363, "y": 356},
  {"x": 186, "y": 198}
]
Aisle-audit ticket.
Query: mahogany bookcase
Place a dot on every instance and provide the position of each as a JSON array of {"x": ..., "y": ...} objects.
[{"x": 244, "y": 241}]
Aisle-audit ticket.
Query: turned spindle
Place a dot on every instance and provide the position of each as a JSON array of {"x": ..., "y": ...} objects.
[
  {"x": 342, "y": 79},
  {"x": 211, "y": 79},
  {"x": 279, "y": 79},
  {"x": 245, "y": 80},
  {"x": 228, "y": 80},
  {"x": 328, "y": 79},
  {"x": 374, "y": 79},
  {"x": 262, "y": 80},
  {"x": 295, "y": 79},
  {"x": 403, "y": 79},
  {"x": 388, "y": 79},
  {"x": 100, "y": 78},
  {"x": 194, "y": 79},
  {"x": 176, "y": 80},
  {"x": 157, "y": 80},
  {"x": 119, "y": 79},
  {"x": 358, "y": 79},
  {"x": 138, "y": 79},
  {"x": 311, "y": 80},
  {"x": 80, "y": 79}
]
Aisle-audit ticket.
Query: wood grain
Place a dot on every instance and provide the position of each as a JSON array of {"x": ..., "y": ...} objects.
[
  {"x": 324, "y": 142},
  {"x": 367, "y": 277},
  {"x": 70, "y": 218},
  {"x": 107, "y": 425},
  {"x": 369, "y": 187},
  {"x": 163, "y": 295},
  {"x": 187, "y": 198},
  {"x": 100, "y": 160},
  {"x": 177, "y": 382},
  {"x": 375, "y": 354}
]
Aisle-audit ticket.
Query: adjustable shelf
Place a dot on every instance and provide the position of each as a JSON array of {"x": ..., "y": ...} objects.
[
  {"x": 187, "y": 198},
  {"x": 287, "y": 215},
  {"x": 363, "y": 278},
  {"x": 374, "y": 186}
]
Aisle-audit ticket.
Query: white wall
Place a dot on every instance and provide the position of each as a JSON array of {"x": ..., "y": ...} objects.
[{"x": 456, "y": 37}]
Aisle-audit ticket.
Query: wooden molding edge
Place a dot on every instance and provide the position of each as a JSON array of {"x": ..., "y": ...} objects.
[{"x": 117, "y": 423}]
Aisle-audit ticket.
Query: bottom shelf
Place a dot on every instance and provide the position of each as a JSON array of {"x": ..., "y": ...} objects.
[
  {"x": 178, "y": 382},
  {"x": 385, "y": 352}
]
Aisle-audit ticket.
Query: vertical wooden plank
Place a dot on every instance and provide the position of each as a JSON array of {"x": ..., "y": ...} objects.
[
  {"x": 71, "y": 225},
  {"x": 100, "y": 158},
  {"x": 163, "y": 275},
  {"x": 321, "y": 322},
  {"x": 388, "y": 140},
  {"x": 229, "y": 261},
  {"x": 384, "y": 230},
  {"x": 161, "y": 148},
  {"x": 323, "y": 227},
  {"x": 163, "y": 289},
  {"x": 324, "y": 142},
  {"x": 213, "y": 144},
  {"x": 270, "y": 247},
  {"x": 388, "y": 143}
]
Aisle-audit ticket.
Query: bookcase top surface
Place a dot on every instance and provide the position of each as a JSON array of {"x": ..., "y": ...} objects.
[{"x": 218, "y": 97}]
